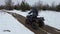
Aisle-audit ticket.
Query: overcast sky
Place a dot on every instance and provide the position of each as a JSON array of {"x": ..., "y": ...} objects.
[{"x": 31, "y": 2}]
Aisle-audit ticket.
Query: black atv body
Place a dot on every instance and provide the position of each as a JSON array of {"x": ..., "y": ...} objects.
[{"x": 38, "y": 22}]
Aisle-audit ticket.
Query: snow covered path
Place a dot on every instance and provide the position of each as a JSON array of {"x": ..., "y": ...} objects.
[
  {"x": 51, "y": 18},
  {"x": 46, "y": 28},
  {"x": 8, "y": 22}
]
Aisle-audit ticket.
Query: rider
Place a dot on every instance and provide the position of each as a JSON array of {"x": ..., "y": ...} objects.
[{"x": 34, "y": 13}]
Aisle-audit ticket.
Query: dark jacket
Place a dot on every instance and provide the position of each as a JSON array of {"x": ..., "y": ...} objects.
[{"x": 34, "y": 12}]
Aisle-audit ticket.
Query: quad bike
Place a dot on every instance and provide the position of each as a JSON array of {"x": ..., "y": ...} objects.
[{"x": 38, "y": 22}]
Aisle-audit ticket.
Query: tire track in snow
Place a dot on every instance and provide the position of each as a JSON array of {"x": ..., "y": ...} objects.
[{"x": 45, "y": 30}]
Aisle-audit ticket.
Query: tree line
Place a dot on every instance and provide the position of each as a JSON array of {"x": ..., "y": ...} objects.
[{"x": 25, "y": 6}]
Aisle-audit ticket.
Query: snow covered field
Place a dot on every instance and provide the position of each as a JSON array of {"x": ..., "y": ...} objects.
[
  {"x": 7, "y": 22},
  {"x": 51, "y": 18}
]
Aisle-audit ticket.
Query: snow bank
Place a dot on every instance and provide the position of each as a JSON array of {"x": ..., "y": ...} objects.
[{"x": 7, "y": 22}]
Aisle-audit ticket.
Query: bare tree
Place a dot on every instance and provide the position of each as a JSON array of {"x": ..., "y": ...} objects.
[
  {"x": 38, "y": 5},
  {"x": 9, "y": 4}
]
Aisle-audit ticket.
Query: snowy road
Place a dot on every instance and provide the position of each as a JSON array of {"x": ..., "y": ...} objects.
[
  {"x": 52, "y": 18},
  {"x": 45, "y": 30}
]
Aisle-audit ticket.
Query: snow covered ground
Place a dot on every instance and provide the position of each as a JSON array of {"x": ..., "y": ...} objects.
[
  {"x": 51, "y": 18},
  {"x": 7, "y": 22}
]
